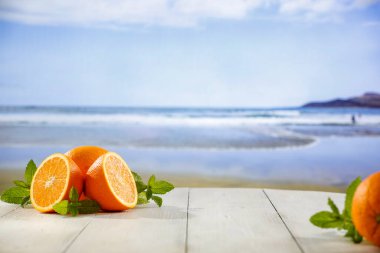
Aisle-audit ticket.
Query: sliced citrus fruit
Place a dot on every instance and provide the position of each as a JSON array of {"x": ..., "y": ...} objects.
[
  {"x": 53, "y": 180},
  {"x": 85, "y": 156},
  {"x": 110, "y": 182}
]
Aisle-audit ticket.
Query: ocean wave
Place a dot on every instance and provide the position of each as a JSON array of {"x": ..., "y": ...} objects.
[{"x": 159, "y": 120}]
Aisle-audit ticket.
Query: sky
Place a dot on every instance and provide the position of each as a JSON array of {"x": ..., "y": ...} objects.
[{"x": 209, "y": 53}]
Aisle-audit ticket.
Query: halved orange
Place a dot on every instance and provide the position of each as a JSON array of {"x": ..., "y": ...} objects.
[
  {"x": 85, "y": 156},
  {"x": 110, "y": 182},
  {"x": 53, "y": 180}
]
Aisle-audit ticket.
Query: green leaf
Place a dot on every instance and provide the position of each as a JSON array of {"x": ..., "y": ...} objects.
[
  {"x": 158, "y": 200},
  {"x": 152, "y": 180},
  {"x": 333, "y": 207},
  {"x": 88, "y": 206},
  {"x": 21, "y": 184},
  {"x": 74, "y": 196},
  {"x": 139, "y": 182},
  {"x": 142, "y": 199},
  {"x": 73, "y": 210},
  {"x": 350, "y": 195},
  {"x": 25, "y": 201},
  {"x": 31, "y": 168},
  {"x": 356, "y": 238},
  {"x": 140, "y": 186},
  {"x": 149, "y": 193},
  {"x": 62, "y": 207},
  {"x": 15, "y": 195},
  {"x": 353, "y": 234},
  {"x": 325, "y": 219},
  {"x": 161, "y": 187},
  {"x": 137, "y": 177},
  {"x": 350, "y": 230}
]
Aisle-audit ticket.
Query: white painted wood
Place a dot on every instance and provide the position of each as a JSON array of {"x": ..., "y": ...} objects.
[
  {"x": 235, "y": 220},
  {"x": 5, "y": 208},
  {"x": 143, "y": 229},
  {"x": 296, "y": 207},
  {"x": 220, "y": 220},
  {"x": 27, "y": 230}
]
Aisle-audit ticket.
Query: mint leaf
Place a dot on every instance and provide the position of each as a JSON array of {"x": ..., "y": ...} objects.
[
  {"x": 139, "y": 183},
  {"x": 31, "y": 168},
  {"x": 137, "y": 177},
  {"x": 353, "y": 234},
  {"x": 152, "y": 179},
  {"x": 62, "y": 207},
  {"x": 161, "y": 187},
  {"x": 21, "y": 184},
  {"x": 146, "y": 191},
  {"x": 73, "y": 209},
  {"x": 149, "y": 193},
  {"x": 333, "y": 207},
  {"x": 158, "y": 200},
  {"x": 88, "y": 206},
  {"x": 15, "y": 195},
  {"x": 140, "y": 186},
  {"x": 350, "y": 195},
  {"x": 25, "y": 201},
  {"x": 325, "y": 219},
  {"x": 142, "y": 199},
  {"x": 356, "y": 238},
  {"x": 74, "y": 196},
  {"x": 334, "y": 219}
]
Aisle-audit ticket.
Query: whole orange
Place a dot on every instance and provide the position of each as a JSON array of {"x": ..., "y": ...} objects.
[
  {"x": 85, "y": 156},
  {"x": 366, "y": 208}
]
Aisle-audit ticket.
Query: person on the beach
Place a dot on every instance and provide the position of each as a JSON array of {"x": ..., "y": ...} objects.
[{"x": 353, "y": 119}]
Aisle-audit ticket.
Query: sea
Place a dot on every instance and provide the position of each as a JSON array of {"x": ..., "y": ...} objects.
[{"x": 324, "y": 146}]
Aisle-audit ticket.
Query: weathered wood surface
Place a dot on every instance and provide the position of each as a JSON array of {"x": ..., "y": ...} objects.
[
  {"x": 296, "y": 207},
  {"x": 235, "y": 220},
  {"x": 191, "y": 220}
]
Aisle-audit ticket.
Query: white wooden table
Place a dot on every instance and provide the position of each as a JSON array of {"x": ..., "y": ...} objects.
[{"x": 191, "y": 220}]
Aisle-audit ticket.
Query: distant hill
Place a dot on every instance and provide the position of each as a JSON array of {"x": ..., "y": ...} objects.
[{"x": 369, "y": 100}]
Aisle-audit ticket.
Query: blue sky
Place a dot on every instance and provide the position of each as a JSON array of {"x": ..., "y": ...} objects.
[{"x": 253, "y": 53}]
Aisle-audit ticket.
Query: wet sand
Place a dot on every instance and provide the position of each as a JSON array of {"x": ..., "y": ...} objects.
[{"x": 183, "y": 180}]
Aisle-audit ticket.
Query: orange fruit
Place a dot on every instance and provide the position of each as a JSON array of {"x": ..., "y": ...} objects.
[
  {"x": 85, "y": 156},
  {"x": 53, "y": 180},
  {"x": 366, "y": 208},
  {"x": 110, "y": 182}
]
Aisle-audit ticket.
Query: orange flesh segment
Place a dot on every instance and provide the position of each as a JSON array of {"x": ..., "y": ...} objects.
[
  {"x": 120, "y": 179},
  {"x": 49, "y": 182}
]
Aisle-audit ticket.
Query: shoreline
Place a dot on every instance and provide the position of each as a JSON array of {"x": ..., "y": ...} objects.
[{"x": 185, "y": 180}]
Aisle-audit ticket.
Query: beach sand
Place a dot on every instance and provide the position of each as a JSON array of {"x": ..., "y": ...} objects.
[{"x": 183, "y": 180}]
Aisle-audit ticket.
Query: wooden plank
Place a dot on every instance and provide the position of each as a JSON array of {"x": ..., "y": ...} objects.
[
  {"x": 27, "y": 230},
  {"x": 143, "y": 229},
  {"x": 6, "y": 208},
  {"x": 235, "y": 220},
  {"x": 296, "y": 207}
]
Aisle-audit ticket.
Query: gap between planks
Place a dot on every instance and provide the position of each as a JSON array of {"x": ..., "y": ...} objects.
[
  {"x": 187, "y": 220},
  {"x": 73, "y": 240},
  {"x": 286, "y": 226},
  {"x": 10, "y": 211},
  {"x": 83, "y": 230}
]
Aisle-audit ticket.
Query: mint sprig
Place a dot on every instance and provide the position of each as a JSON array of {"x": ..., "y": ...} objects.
[
  {"x": 147, "y": 191},
  {"x": 74, "y": 206},
  {"x": 20, "y": 194},
  {"x": 340, "y": 221}
]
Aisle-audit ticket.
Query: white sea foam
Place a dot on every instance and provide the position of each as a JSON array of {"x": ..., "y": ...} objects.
[{"x": 286, "y": 118}]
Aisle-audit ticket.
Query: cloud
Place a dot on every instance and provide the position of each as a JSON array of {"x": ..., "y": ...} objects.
[{"x": 182, "y": 13}]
